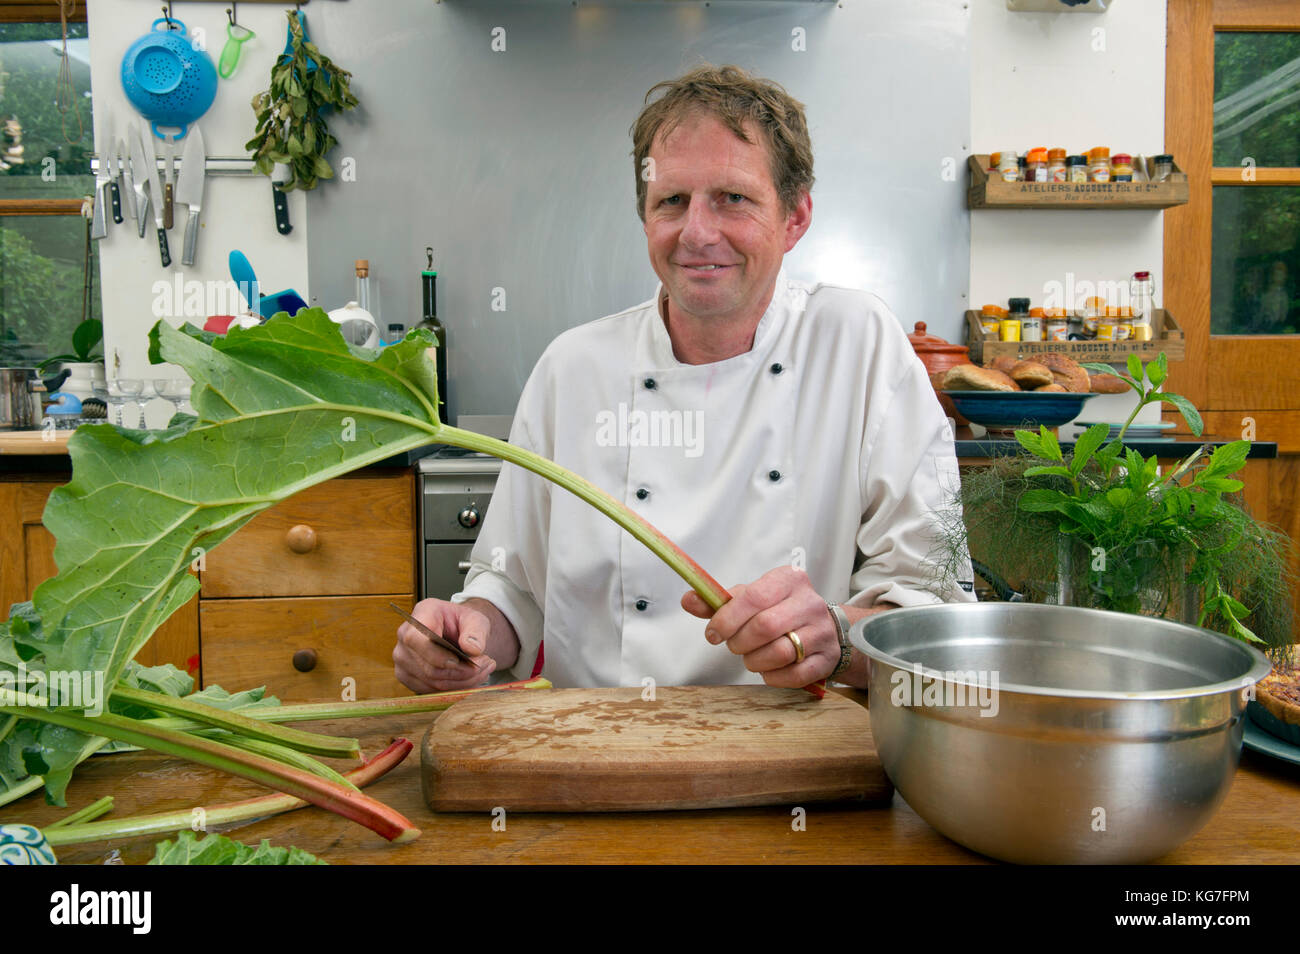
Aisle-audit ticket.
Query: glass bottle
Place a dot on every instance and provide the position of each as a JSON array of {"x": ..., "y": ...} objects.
[{"x": 430, "y": 322}]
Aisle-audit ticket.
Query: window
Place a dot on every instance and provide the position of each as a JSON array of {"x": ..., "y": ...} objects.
[
  {"x": 1256, "y": 226},
  {"x": 49, "y": 271}
]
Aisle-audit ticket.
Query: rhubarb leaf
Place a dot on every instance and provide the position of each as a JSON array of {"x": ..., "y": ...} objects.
[{"x": 214, "y": 849}]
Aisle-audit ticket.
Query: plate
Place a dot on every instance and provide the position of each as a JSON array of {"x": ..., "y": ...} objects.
[
  {"x": 1136, "y": 432},
  {"x": 1257, "y": 740},
  {"x": 1005, "y": 410}
]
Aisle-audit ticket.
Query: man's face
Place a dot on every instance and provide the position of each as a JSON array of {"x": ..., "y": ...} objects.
[{"x": 716, "y": 230}]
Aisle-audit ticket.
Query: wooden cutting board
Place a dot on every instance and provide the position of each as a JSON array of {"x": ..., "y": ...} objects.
[{"x": 583, "y": 750}]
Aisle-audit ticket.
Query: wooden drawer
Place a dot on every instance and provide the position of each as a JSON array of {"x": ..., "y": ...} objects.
[
  {"x": 249, "y": 643},
  {"x": 359, "y": 536}
]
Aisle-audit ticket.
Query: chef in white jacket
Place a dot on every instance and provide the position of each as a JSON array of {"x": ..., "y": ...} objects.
[{"x": 784, "y": 435}]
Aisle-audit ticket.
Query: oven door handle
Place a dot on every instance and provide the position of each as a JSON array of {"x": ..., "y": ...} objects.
[{"x": 463, "y": 566}]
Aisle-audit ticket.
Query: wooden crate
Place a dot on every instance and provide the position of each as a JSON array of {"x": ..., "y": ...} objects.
[
  {"x": 1166, "y": 337},
  {"x": 990, "y": 192}
]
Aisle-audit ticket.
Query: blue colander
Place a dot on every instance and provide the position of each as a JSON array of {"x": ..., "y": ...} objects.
[{"x": 169, "y": 81}]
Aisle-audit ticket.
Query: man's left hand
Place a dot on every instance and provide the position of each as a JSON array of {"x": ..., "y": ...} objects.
[{"x": 755, "y": 623}]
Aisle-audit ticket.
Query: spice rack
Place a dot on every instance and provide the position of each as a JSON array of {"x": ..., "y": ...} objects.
[
  {"x": 991, "y": 192},
  {"x": 1166, "y": 336}
]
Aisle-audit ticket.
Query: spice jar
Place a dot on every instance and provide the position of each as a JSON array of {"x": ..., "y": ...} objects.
[
  {"x": 1121, "y": 167},
  {"x": 1056, "y": 165},
  {"x": 1164, "y": 167},
  {"x": 990, "y": 319},
  {"x": 1008, "y": 165},
  {"x": 1106, "y": 324},
  {"x": 1031, "y": 326},
  {"x": 1124, "y": 324},
  {"x": 1055, "y": 326},
  {"x": 1076, "y": 168},
  {"x": 1036, "y": 165},
  {"x": 1099, "y": 164},
  {"x": 1094, "y": 309},
  {"x": 1013, "y": 324}
]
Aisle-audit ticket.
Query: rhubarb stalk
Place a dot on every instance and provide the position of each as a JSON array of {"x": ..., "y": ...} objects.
[
  {"x": 352, "y": 805},
  {"x": 218, "y": 815}
]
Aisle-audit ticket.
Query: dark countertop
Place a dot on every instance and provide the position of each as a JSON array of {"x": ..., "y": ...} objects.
[{"x": 969, "y": 446}]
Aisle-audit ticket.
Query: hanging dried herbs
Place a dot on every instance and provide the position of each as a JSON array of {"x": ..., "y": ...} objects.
[{"x": 291, "y": 128}]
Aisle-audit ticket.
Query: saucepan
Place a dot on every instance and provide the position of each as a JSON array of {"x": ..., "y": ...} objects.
[
  {"x": 20, "y": 397},
  {"x": 1047, "y": 734}
]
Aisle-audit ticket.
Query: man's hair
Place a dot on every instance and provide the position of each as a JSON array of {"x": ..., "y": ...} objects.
[{"x": 734, "y": 97}]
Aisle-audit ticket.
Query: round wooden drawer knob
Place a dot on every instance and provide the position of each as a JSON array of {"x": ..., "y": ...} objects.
[
  {"x": 301, "y": 538},
  {"x": 304, "y": 660}
]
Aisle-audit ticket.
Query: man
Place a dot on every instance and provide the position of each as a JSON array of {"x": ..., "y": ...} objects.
[{"x": 780, "y": 434}]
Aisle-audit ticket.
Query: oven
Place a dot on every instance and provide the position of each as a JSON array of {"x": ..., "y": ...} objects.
[{"x": 455, "y": 490}]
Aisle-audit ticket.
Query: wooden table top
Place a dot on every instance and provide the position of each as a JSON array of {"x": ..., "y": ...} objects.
[{"x": 1259, "y": 822}]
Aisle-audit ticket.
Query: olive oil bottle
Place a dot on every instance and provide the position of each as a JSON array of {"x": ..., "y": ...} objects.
[{"x": 429, "y": 279}]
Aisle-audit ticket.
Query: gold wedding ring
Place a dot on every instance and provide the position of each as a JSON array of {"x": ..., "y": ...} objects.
[{"x": 798, "y": 645}]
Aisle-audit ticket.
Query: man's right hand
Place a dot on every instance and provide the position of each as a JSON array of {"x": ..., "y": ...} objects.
[{"x": 424, "y": 667}]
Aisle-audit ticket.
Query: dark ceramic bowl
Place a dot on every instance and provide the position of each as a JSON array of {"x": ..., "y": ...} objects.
[{"x": 1006, "y": 410}]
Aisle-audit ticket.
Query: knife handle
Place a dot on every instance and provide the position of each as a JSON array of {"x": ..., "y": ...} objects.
[
  {"x": 167, "y": 206},
  {"x": 191, "y": 237},
  {"x": 142, "y": 213},
  {"x": 99, "y": 218},
  {"x": 281, "y": 211},
  {"x": 163, "y": 249},
  {"x": 117, "y": 202}
]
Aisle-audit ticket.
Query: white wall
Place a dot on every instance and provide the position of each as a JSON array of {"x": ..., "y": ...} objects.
[
  {"x": 1072, "y": 80},
  {"x": 237, "y": 211}
]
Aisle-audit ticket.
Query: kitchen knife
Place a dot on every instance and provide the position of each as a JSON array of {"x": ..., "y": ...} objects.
[
  {"x": 115, "y": 172},
  {"x": 156, "y": 195},
  {"x": 169, "y": 181},
  {"x": 434, "y": 637},
  {"x": 279, "y": 174},
  {"x": 99, "y": 219},
  {"x": 124, "y": 183},
  {"x": 139, "y": 178},
  {"x": 189, "y": 188}
]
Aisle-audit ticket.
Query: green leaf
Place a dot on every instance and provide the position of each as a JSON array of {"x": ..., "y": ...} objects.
[
  {"x": 1227, "y": 459},
  {"x": 1041, "y": 500},
  {"x": 1086, "y": 445},
  {"x": 1158, "y": 370},
  {"x": 1054, "y": 469},
  {"x": 215, "y": 849},
  {"x": 1188, "y": 409},
  {"x": 1221, "y": 484},
  {"x": 1135, "y": 367},
  {"x": 85, "y": 336}
]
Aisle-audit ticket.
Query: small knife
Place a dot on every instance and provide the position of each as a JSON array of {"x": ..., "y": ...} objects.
[
  {"x": 169, "y": 180},
  {"x": 139, "y": 178},
  {"x": 189, "y": 188},
  {"x": 99, "y": 220},
  {"x": 433, "y": 637},
  {"x": 156, "y": 196},
  {"x": 124, "y": 183}
]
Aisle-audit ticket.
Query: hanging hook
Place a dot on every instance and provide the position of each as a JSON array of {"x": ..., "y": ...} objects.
[
  {"x": 230, "y": 13},
  {"x": 167, "y": 14},
  {"x": 428, "y": 250}
]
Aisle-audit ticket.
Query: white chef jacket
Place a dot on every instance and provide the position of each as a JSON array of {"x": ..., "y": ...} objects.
[{"x": 822, "y": 447}]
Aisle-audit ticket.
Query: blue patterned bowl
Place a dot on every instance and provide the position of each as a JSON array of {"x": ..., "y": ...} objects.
[{"x": 24, "y": 845}]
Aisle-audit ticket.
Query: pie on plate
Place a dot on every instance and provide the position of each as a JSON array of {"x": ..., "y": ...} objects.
[{"x": 1277, "y": 700}]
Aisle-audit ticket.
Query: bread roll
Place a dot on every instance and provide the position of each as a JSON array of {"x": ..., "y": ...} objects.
[
  {"x": 1051, "y": 388},
  {"x": 1004, "y": 363},
  {"x": 1107, "y": 384},
  {"x": 1030, "y": 374},
  {"x": 968, "y": 377},
  {"x": 1065, "y": 371}
]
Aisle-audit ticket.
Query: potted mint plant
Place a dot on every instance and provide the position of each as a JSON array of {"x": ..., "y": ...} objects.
[{"x": 1104, "y": 527}]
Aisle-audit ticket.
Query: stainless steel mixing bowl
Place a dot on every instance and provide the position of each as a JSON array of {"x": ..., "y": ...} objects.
[{"x": 1097, "y": 737}]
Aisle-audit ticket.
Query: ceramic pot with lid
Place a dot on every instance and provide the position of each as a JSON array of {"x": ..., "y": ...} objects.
[{"x": 939, "y": 357}]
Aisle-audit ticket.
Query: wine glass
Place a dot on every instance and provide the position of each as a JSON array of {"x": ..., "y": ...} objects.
[
  {"x": 176, "y": 391},
  {"x": 124, "y": 391}
]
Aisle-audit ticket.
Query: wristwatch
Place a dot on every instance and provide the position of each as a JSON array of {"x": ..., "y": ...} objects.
[{"x": 842, "y": 630}]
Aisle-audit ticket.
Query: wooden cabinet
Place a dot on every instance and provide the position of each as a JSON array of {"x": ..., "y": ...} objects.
[
  {"x": 27, "y": 559},
  {"x": 297, "y": 600}
]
